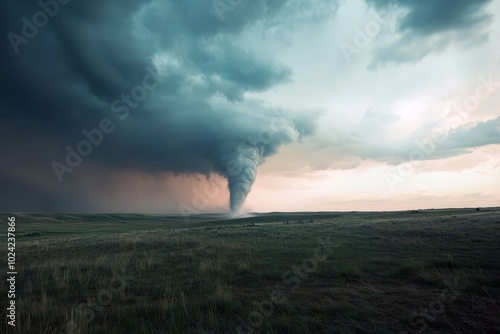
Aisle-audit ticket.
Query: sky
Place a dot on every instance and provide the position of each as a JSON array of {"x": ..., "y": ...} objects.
[{"x": 250, "y": 106}]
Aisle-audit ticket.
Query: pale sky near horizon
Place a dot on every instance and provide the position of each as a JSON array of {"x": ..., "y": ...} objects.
[
  {"x": 366, "y": 109},
  {"x": 381, "y": 105}
]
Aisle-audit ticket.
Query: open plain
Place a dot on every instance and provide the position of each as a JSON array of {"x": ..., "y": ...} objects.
[{"x": 424, "y": 271}]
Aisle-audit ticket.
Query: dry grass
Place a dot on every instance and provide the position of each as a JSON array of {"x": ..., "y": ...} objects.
[{"x": 190, "y": 279}]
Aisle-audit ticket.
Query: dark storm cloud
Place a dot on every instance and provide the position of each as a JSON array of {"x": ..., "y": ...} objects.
[
  {"x": 430, "y": 26},
  {"x": 92, "y": 54}
]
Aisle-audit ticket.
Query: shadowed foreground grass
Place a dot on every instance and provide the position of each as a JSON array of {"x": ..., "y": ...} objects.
[{"x": 433, "y": 271}]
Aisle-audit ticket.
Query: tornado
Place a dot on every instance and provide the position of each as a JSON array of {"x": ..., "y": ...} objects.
[
  {"x": 237, "y": 159},
  {"x": 240, "y": 163}
]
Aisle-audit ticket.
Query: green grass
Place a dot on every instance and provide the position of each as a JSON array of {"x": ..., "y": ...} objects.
[{"x": 121, "y": 273}]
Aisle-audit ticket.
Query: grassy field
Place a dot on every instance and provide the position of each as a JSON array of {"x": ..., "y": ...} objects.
[{"x": 431, "y": 271}]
